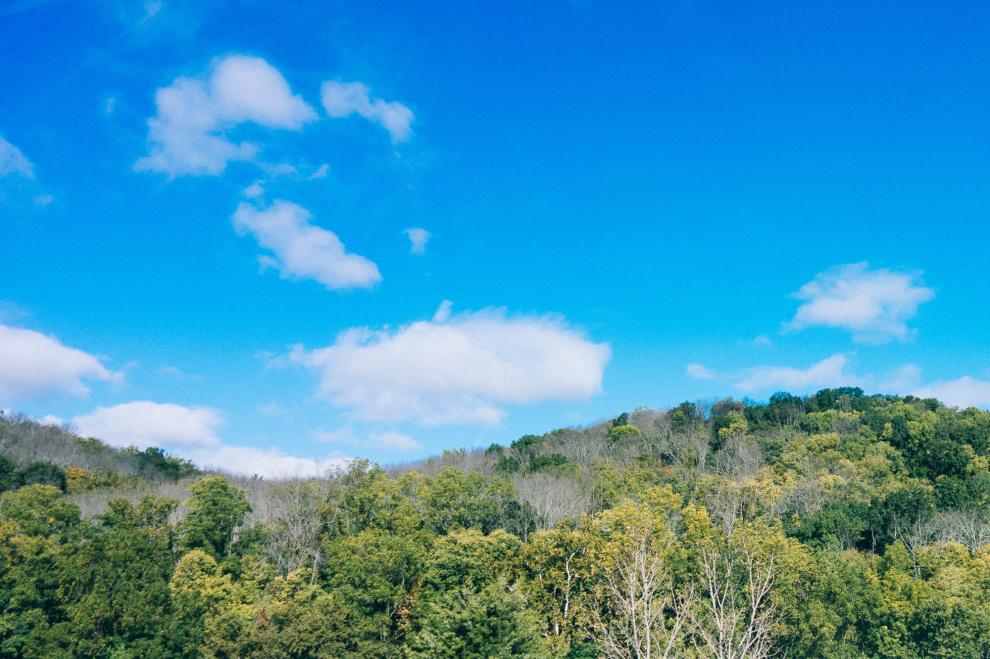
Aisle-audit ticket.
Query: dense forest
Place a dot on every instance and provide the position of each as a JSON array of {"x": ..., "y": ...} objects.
[{"x": 836, "y": 525}]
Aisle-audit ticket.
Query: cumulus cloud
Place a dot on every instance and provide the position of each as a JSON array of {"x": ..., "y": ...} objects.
[
  {"x": 418, "y": 239},
  {"x": 33, "y": 365},
  {"x": 829, "y": 372},
  {"x": 188, "y": 136},
  {"x": 873, "y": 304},
  {"x": 964, "y": 392},
  {"x": 459, "y": 369},
  {"x": 144, "y": 423},
  {"x": 268, "y": 463},
  {"x": 342, "y": 99},
  {"x": 301, "y": 249},
  {"x": 13, "y": 162}
]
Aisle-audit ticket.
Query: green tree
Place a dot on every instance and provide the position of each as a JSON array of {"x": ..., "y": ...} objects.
[
  {"x": 491, "y": 623},
  {"x": 216, "y": 510}
]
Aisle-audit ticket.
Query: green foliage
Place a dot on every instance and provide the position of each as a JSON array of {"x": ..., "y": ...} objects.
[
  {"x": 153, "y": 463},
  {"x": 547, "y": 462},
  {"x": 872, "y": 514},
  {"x": 8, "y": 475},
  {"x": 621, "y": 433},
  {"x": 507, "y": 465},
  {"x": 453, "y": 500},
  {"x": 42, "y": 473},
  {"x": 491, "y": 623},
  {"x": 323, "y": 628},
  {"x": 216, "y": 509},
  {"x": 38, "y": 510}
]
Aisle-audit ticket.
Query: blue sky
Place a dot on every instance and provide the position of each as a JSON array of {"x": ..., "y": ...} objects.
[{"x": 267, "y": 236}]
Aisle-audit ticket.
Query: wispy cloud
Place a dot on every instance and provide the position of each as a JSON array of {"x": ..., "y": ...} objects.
[
  {"x": 18, "y": 181},
  {"x": 342, "y": 99},
  {"x": 303, "y": 250},
  {"x": 699, "y": 372},
  {"x": 829, "y": 372},
  {"x": 33, "y": 365},
  {"x": 188, "y": 136},
  {"x": 418, "y": 239},
  {"x": 13, "y": 162},
  {"x": 178, "y": 374},
  {"x": 873, "y": 304},
  {"x": 389, "y": 441},
  {"x": 456, "y": 370}
]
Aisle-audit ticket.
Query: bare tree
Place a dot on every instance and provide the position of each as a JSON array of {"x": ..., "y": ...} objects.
[
  {"x": 554, "y": 498},
  {"x": 969, "y": 527},
  {"x": 736, "y": 617},
  {"x": 808, "y": 496},
  {"x": 724, "y": 503},
  {"x": 739, "y": 459},
  {"x": 701, "y": 445},
  {"x": 639, "y": 615},
  {"x": 922, "y": 532},
  {"x": 293, "y": 529}
]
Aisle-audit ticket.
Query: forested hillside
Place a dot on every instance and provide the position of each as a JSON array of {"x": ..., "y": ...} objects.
[{"x": 835, "y": 525}]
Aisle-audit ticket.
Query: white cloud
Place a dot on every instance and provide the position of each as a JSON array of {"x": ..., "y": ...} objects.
[
  {"x": 762, "y": 340},
  {"x": 13, "y": 162},
  {"x": 341, "y": 99},
  {"x": 144, "y": 423},
  {"x": 699, "y": 372},
  {"x": 254, "y": 191},
  {"x": 188, "y": 135},
  {"x": 963, "y": 393},
  {"x": 418, "y": 239},
  {"x": 456, "y": 370},
  {"x": 321, "y": 172},
  {"x": 34, "y": 365},
  {"x": 267, "y": 463},
  {"x": 871, "y": 303},
  {"x": 303, "y": 250},
  {"x": 826, "y": 373}
]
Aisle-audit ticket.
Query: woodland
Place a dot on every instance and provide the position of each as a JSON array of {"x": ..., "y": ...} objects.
[{"x": 834, "y": 525}]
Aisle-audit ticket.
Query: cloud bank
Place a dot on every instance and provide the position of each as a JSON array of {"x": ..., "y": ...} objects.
[
  {"x": 456, "y": 370},
  {"x": 188, "y": 136},
  {"x": 268, "y": 463},
  {"x": 301, "y": 249},
  {"x": 964, "y": 392},
  {"x": 342, "y": 99},
  {"x": 33, "y": 365},
  {"x": 144, "y": 423},
  {"x": 873, "y": 304}
]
